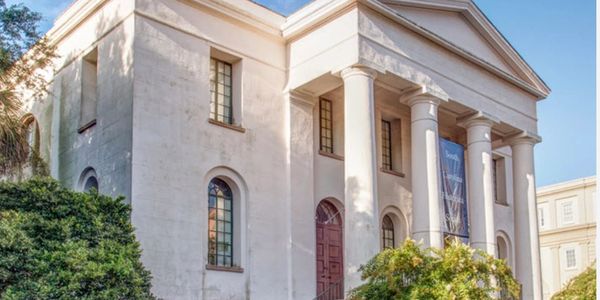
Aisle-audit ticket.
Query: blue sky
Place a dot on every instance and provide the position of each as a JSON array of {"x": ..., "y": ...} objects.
[{"x": 557, "y": 39}]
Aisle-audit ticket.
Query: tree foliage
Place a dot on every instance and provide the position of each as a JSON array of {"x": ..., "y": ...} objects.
[
  {"x": 457, "y": 272},
  {"x": 60, "y": 244},
  {"x": 583, "y": 286},
  {"x": 25, "y": 57}
]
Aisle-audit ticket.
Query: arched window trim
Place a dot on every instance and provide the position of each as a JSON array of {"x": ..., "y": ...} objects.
[
  {"x": 240, "y": 197},
  {"x": 401, "y": 225},
  {"x": 509, "y": 251},
  {"x": 30, "y": 120},
  {"x": 86, "y": 175}
]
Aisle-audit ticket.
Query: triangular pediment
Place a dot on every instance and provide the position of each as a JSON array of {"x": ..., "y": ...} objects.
[{"x": 462, "y": 24}]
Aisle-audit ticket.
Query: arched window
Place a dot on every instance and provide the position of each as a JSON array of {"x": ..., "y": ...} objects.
[
  {"x": 31, "y": 133},
  {"x": 220, "y": 220},
  {"x": 88, "y": 180},
  {"x": 387, "y": 227}
]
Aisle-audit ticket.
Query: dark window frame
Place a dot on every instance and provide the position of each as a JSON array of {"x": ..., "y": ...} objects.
[
  {"x": 220, "y": 224},
  {"x": 388, "y": 232},
  {"x": 386, "y": 145},
  {"x": 326, "y": 125},
  {"x": 221, "y": 73}
]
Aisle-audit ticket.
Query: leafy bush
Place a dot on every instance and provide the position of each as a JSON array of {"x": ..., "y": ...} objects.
[
  {"x": 60, "y": 244},
  {"x": 457, "y": 272},
  {"x": 583, "y": 286}
]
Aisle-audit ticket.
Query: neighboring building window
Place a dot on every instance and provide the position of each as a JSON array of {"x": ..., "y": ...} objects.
[
  {"x": 220, "y": 220},
  {"x": 570, "y": 258},
  {"x": 386, "y": 145},
  {"x": 89, "y": 90},
  {"x": 542, "y": 216},
  {"x": 221, "y": 106},
  {"x": 326, "y": 125},
  {"x": 567, "y": 212},
  {"x": 387, "y": 227}
]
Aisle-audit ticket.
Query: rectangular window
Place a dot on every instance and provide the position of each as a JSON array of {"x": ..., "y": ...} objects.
[
  {"x": 220, "y": 91},
  {"x": 567, "y": 212},
  {"x": 499, "y": 178},
  {"x": 571, "y": 259},
  {"x": 386, "y": 145},
  {"x": 541, "y": 217},
  {"x": 89, "y": 90},
  {"x": 326, "y": 126}
]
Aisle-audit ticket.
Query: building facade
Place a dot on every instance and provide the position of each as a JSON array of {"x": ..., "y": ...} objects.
[
  {"x": 567, "y": 226},
  {"x": 268, "y": 157}
]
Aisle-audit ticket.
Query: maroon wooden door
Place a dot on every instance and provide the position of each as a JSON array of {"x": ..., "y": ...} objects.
[{"x": 330, "y": 247}]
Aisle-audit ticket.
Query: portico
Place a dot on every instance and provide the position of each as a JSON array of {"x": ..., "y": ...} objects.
[{"x": 376, "y": 79}]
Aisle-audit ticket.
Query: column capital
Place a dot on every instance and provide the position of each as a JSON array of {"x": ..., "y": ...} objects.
[
  {"x": 359, "y": 70},
  {"x": 523, "y": 137},
  {"x": 478, "y": 118},
  {"x": 422, "y": 94}
]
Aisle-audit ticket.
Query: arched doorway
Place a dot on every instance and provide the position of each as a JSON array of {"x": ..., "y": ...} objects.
[{"x": 330, "y": 249}]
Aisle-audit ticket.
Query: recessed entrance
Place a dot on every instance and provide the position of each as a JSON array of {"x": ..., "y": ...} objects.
[{"x": 330, "y": 249}]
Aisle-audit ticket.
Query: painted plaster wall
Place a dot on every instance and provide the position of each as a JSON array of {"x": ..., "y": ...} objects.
[
  {"x": 176, "y": 152},
  {"x": 106, "y": 147}
]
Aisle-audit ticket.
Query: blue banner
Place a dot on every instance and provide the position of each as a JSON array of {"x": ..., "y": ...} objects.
[{"x": 454, "y": 190}]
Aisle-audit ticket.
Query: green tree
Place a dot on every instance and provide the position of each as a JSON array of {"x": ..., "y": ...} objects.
[
  {"x": 60, "y": 244},
  {"x": 581, "y": 287},
  {"x": 457, "y": 272},
  {"x": 25, "y": 60}
]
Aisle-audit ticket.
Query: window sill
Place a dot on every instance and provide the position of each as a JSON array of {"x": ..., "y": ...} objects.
[
  {"x": 331, "y": 155},
  {"x": 225, "y": 269},
  {"x": 228, "y": 126},
  {"x": 87, "y": 126},
  {"x": 392, "y": 172},
  {"x": 502, "y": 204}
]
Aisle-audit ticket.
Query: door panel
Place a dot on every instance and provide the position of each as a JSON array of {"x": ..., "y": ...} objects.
[{"x": 329, "y": 247}]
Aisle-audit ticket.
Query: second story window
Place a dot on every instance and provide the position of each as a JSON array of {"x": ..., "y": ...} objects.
[
  {"x": 571, "y": 259},
  {"x": 89, "y": 90},
  {"x": 221, "y": 107},
  {"x": 386, "y": 145},
  {"x": 326, "y": 126}
]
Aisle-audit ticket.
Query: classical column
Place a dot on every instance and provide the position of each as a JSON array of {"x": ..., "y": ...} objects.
[
  {"x": 480, "y": 182},
  {"x": 425, "y": 170},
  {"x": 361, "y": 229},
  {"x": 527, "y": 250}
]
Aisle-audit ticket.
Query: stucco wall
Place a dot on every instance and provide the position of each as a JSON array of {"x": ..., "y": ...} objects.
[{"x": 176, "y": 151}]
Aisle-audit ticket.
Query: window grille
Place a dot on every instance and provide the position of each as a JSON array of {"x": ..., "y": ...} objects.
[
  {"x": 220, "y": 224},
  {"x": 567, "y": 209},
  {"x": 387, "y": 227},
  {"x": 220, "y": 90},
  {"x": 326, "y": 124},
  {"x": 571, "y": 260},
  {"x": 386, "y": 145}
]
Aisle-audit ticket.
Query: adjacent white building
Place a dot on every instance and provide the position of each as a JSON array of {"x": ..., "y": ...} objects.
[
  {"x": 567, "y": 226},
  {"x": 268, "y": 157}
]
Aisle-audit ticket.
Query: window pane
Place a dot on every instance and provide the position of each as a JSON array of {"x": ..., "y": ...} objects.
[
  {"x": 326, "y": 125},
  {"x": 386, "y": 145},
  {"x": 220, "y": 237},
  {"x": 220, "y": 79}
]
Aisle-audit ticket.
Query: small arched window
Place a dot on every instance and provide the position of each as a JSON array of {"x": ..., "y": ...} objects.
[
  {"x": 31, "y": 133},
  {"x": 220, "y": 220},
  {"x": 88, "y": 180},
  {"x": 387, "y": 234}
]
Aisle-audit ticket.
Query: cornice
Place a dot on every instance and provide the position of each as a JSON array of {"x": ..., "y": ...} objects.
[{"x": 565, "y": 186}]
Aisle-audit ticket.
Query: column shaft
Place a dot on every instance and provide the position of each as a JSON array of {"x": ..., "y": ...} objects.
[
  {"x": 481, "y": 185},
  {"x": 425, "y": 171},
  {"x": 527, "y": 258},
  {"x": 360, "y": 166}
]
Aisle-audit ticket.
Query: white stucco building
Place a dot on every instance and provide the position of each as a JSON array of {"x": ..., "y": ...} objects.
[
  {"x": 567, "y": 226},
  {"x": 267, "y": 157}
]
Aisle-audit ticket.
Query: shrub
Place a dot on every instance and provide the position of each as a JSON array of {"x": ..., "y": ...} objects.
[
  {"x": 457, "y": 272},
  {"x": 583, "y": 286},
  {"x": 60, "y": 244}
]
